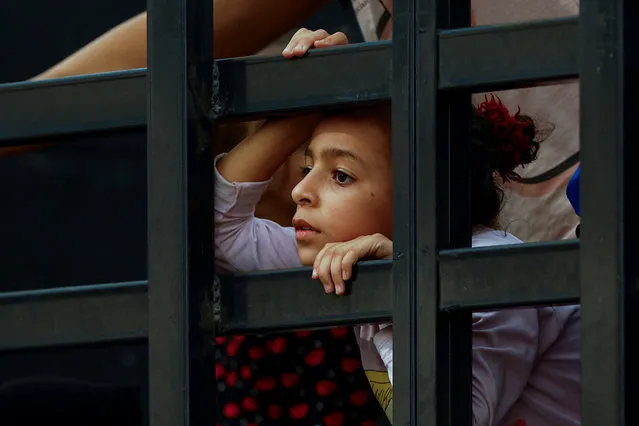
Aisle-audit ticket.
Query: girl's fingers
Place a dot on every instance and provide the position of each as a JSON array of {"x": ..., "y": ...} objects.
[
  {"x": 333, "y": 265},
  {"x": 288, "y": 50},
  {"x": 307, "y": 41},
  {"x": 304, "y": 39},
  {"x": 336, "y": 39},
  {"x": 349, "y": 259},
  {"x": 318, "y": 261},
  {"x": 324, "y": 273},
  {"x": 336, "y": 274}
]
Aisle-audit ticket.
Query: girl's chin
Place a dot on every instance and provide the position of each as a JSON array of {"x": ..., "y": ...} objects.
[{"x": 307, "y": 255}]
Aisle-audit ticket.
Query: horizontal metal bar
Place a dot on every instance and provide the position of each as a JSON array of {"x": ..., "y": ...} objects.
[
  {"x": 73, "y": 315},
  {"x": 509, "y": 56},
  {"x": 501, "y": 56},
  {"x": 514, "y": 275},
  {"x": 332, "y": 77},
  {"x": 494, "y": 57},
  {"x": 288, "y": 300},
  {"x": 95, "y": 102},
  {"x": 472, "y": 278},
  {"x": 277, "y": 300}
]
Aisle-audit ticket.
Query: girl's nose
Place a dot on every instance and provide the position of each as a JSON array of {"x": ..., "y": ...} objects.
[{"x": 302, "y": 193}]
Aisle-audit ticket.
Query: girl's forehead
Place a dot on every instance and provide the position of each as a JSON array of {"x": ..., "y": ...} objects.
[
  {"x": 367, "y": 152},
  {"x": 354, "y": 133},
  {"x": 353, "y": 123}
]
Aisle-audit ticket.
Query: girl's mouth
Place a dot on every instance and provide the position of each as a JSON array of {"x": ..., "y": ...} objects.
[{"x": 303, "y": 230}]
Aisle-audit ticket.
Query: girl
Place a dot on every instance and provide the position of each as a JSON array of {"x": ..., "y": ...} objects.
[{"x": 525, "y": 362}]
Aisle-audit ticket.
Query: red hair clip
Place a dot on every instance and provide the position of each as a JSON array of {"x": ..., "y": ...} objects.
[{"x": 507, "y": 128}]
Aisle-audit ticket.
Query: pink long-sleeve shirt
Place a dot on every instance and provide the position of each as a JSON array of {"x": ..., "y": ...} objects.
[{"x": 526, "y": 362}]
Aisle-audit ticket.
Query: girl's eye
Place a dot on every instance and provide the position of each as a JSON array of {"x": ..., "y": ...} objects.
[
  {"x": 342, "y": 178},
  {"x": 305, "y": 170}
]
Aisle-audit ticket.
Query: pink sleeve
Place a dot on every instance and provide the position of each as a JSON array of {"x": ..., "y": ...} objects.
[
  {"x": 504, "y": 350},
  {"x": 244, "y": 243}
]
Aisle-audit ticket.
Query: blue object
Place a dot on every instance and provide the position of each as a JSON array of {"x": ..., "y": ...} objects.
[{"x": 572, "y": 191}]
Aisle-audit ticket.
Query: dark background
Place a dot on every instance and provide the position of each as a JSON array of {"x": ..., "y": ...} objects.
[
  {"x": 74, "y": 213},
  {"x": 38, "y": 33}
]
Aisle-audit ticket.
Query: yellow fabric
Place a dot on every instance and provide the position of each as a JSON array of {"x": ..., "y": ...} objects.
[{"x": 383, "y": 390}]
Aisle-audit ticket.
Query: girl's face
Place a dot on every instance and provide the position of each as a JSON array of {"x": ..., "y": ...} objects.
[{"x": 346, "y": 191}]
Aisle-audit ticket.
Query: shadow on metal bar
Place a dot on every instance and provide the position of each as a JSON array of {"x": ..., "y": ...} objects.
[
  {"x": 73, "y": 315},
  {"x": 497, "y": 57}
]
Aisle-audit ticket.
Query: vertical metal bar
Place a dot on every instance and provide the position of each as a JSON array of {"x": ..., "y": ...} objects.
[
  {"x": 403, "y": 128},
  {"x": 431, "y": 193},
  {"x": 455, "y": 337},
  {"x": 609, "y": 237},
  {"x": 416, "y": 311},
  {"x": 180, "y": 185}
]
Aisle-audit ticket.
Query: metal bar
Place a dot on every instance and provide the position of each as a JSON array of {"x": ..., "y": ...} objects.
[
  {"x": 415, "y": 310},
  {"x": 610, "y": 234},
  {"x": 89, "y": 314},
  {"x": 260, "y": 86},
  {"x": 73, "y": 315},
  {"x": 470, "y": 279},
  {"x": 253, "y": 87},
  {"x": 430, "y": 192},
  {"x": 276, "y": 300},
  {"x": 68, "y": 105},
  {"x": 403, "y": 111},
  {"x": 494, "y": 57},
  {"x": 508, "y": 56},
  {"x": 180, "y": 184},
  {"x": 482, "y": 278},
  {"x": 455, "y": 230}
]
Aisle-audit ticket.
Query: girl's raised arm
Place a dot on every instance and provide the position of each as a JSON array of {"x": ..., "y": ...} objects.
[{"x": 257, "y": 158}]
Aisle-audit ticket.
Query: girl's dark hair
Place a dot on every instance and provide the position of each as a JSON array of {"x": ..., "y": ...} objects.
[{"x": 500, "y": 142}]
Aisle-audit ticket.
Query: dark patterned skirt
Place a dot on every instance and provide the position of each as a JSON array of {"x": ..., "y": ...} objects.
[{"x": 303, "y": 378}]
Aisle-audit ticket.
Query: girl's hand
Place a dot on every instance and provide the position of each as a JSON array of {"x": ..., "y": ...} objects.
[
  {"x": 305, "y": 39},
  {"x": 334, "y": 264}
]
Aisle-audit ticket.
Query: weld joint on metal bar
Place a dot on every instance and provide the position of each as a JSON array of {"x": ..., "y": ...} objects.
[{"x": 218, "y": 102}]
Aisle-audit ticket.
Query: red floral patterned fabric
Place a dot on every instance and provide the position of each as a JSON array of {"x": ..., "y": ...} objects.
[{"x": 303, "y": 378}]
